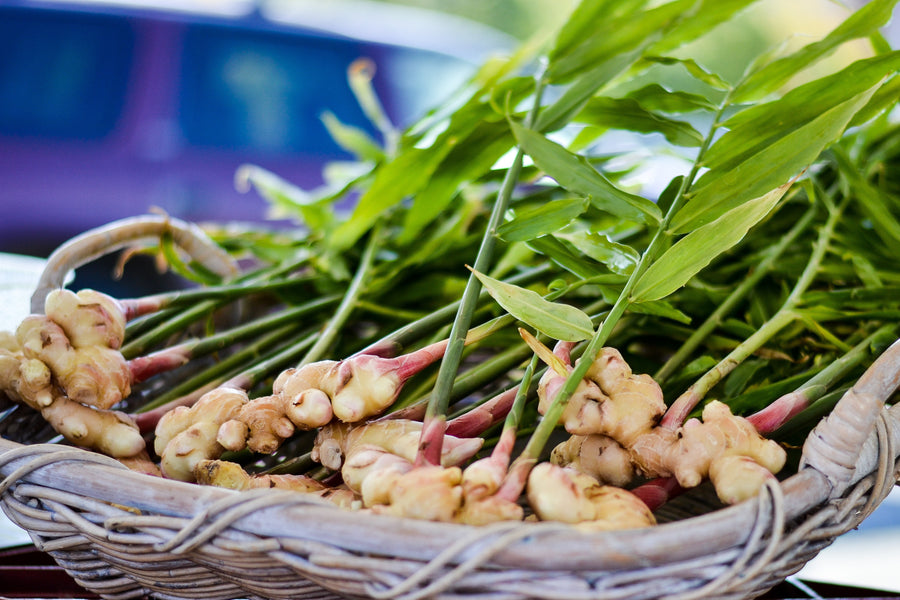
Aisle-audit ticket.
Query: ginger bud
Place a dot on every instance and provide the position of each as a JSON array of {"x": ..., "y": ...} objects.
[
  {"x": 310, "y": 409},
  {"x": 336, "y": 442},
  {"x": 582, "y": 414},
  {"x": 371, "y": 471},
  {"x": 361, "y": 387},
  {"x": 305, "y": 404},
  {"x": 259, "y": 425}
]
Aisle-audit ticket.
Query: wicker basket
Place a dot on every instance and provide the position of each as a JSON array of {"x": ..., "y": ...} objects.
[{"x": 125, "y": 535}]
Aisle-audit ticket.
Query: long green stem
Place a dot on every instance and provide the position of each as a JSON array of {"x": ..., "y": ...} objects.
[
  {"x": 348, "y": 303},
  {"x": 238, "y": 362},
  {"x": 226, "y": 338},
  {"x": 787, "y": 313},
  {"x": 545, "y": 428},
  {"x": 435, "y": 415},
  {"x": 738, "y": 294}
]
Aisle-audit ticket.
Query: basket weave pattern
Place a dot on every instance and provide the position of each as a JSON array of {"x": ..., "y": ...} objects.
[{"x": 125, "y": 535}]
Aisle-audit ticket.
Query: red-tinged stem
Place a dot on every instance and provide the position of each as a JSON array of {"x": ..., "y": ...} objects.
[
  {"x": 431, "y": 441},
  {"x": 516, "y": 478},
  {"x": 145, "y": 367},
  {"x": 480, "y": 418},
  {"x": 657, "y": 492},
  {"x": 412, "y": 363},
  {"x": 780, "y": 411},
  {"x": 381, "y": 349},
  {"x": 133, "y": 308}
]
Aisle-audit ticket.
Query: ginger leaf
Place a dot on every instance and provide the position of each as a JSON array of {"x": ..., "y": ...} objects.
[
  {"x": 575, "y": 173},
  {"x": 627, "y": 113},
  {"x": 721, "y": 190},
  {"x": 545, "y": 219},
  {"x": 619, "y": 258},
  {"x": 697, "y": 249},
  {"x": 862, "y": 23},
  {"x": 557, "y": 320}
]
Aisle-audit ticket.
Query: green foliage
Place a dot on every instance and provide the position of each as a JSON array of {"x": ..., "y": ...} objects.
[{"x": 742, "y": 255}]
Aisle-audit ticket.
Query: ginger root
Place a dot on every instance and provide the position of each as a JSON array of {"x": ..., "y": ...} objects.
[
  {"x": 336, "y": 442},
  {"x": 89, "y": 318},
  {"x": 221, "y": 473},
  {"x": 566, "y": 495},
  {"x": 688, "y": 453},
  {"x": 611, "y": 400},
  {"x": 430, "y": 493},
  {"x": 185, "y": 436},
  {"x": 599, "y": 456},
  {"x": 94, "y": 375},
  {"x": 29, "y": 381}
]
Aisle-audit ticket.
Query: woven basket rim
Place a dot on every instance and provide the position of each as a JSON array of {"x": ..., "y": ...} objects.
[
  {"x": 834, "y": 457},
  {"x": 291, "y": 515}
]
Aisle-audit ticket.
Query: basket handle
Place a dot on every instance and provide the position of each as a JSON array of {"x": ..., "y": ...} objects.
[
  {"x": 833, "y": 448},
  {"x": 108, "y": 238}
]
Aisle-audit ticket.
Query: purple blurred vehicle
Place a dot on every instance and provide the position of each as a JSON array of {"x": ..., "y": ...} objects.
[{"x": 106, "y": 111}]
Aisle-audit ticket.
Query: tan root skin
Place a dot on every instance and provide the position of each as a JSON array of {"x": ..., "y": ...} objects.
[
  {"x": 562, "y": 494},
  {"x": 614, "y": 415},
  {"x": 336, "y": 442},
  {"x": 89, "y": 318},
  {"x": 611, "y": 400},
  {"x": 185, "y": 436},
  {"x": 310, "y": 397},
  {"x": 231, "y": 475},
  {"x": 688, "y": 453},
  {"x": 93, "y": 375},
  {"x": 29, "y": 380},
  {"x": 599, "y": 456}
]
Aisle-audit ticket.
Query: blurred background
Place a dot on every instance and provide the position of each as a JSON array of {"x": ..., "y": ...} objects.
[{"x": 110, "y": 109}]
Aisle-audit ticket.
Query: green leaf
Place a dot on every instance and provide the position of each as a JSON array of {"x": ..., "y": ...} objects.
[
  {"x": 689, "y": 255},
  {"x": 703, "y": 18},
  {"x": 628, "y": 114},
  {"x": 765, "y": 166},
  {"x": 868, "y": 19},
  {"x": 284, "y": 197},
  {"x": 556, "y": 320},
  {"x": 409, "y": 172},
  {"x": 352, "y": 139},
  {"x": 620, "y": 28},
  {"x": 660, "y": 308},
  {"x": 575, "y": 173},
  {"x": 696, "y": 71},
  {"x": 559, "y": 113},
  {"x": 533, "y": 222},
  {"x": 586, "y": 18},
  {"x": 755, "y": 128},
  {"x": 561, "y": 254},
  {"x": 618, "y": 258},
  {"x": 656, "y": 97},
  {"x": 886, "y": 98},
  {"x": 468, "y": 160}
]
